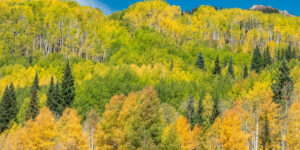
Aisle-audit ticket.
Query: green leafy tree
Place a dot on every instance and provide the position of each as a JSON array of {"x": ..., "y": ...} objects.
[
  {"x": 230, "y": 68},
  {"x": 33, "y": 107},
  {"x": 67, "y": 87},
  {"x": 200, "y": 61},
  {"x": 256, "y": 63},
  {"x": 283, "y": 86},
  {"x": 217, "y": 68}
]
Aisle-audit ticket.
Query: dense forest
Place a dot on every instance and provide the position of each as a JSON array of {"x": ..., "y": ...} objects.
[{"x": 149, "y": 77}]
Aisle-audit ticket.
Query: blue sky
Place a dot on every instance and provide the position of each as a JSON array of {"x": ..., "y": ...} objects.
[{"x": 109, "y": 6}]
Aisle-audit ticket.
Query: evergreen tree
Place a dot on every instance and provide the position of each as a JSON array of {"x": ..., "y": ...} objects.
[
  {"x": 8, "y": 107},
  {"x": 58, "y": 99},
  {"x": 190, "y": 112},
  {"x": 288, "y": 53},
  {"x": 267, "y": 57},
  {"x": 67, "y": 87},
  {"x": 216, "y": 112},
  {"x": 33, "y": 107},
  {"x": 230, "y": 68},
  {"x": 13, "y": 109},
  {"x": 51, "y": 103},
  {"x": 245, "y": 74},
  {"x": 217, "y": 68},
  {"x": 294, "y": 54},
  {"x": 283, "y": 86},
  {"x": 4, "y": 113},
  {"x": 256, "y": 60},
  {"x": 225, "y": 63},
  {"x": 265, "y": 137},
  {"x": 278, "y": 55},
  {"x": 200, "y": 61},
  {"x": 200, "y": 111}
]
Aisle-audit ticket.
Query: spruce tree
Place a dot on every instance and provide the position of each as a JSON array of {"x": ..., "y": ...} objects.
[
  {"x": 190, "y": 112},
  {"x": 4, "y": 113},
  {"x": 216, "y": 112},
  {"x": 288, "y": 53},
  {"x": 278, "y": 55},
  {"x": 8, "y": 107},
  {"x": 225, "y": 63},
  {"x": 265, "y": 137},
  {"x": 67, "y": 87},
  {"x": 50, "y": 102},
  {"x": 294, "y": 54},
  {"x": 230, "y": 68},
  {"x": 58, "y": 110},
  {"x": 267, "y": 57},
  {"x": 200, "y": 111},
  {"x": 256, "y": 60},
  {"x": 245, "y": 74},
  {"x": 200, "y": 61},
  {"x": 33, "y": 107},
  {"x": 13, "y": 102},
  {"x": 217, "y": 68},
  {"x": 283, "y": 86}
]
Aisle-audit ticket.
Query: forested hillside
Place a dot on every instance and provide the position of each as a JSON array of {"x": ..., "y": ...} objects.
[{"x": 149, "y": 77}]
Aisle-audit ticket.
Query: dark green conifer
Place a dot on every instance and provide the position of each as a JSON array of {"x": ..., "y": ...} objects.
[
  {"x": 67, "y": 87},
  {"x": 200, "y": 61},
  {"x": 265, "y": 137},
  {"x": 288, "y": 53},
  {"x": 256, "y": 63},
  {"x": 190, "y": 112},
  {"x": 230, "y": 68},
  {"x": 33, "y": 107},
  {"x": 283, "y": 86},
  {"x": 50, "y": 102},
  {"x": 245, "y": 74},
  {"x": 294, "y": 54},
  {"x": 267, "y": 57},
  {"x": 4, "y": 113},
  {"x": 8, "y": 107},
  {"x": 58, "y": 99},
  {"x": 200, "y": 111},
  {"x": 217, "y": 68},
  {"x": 216, "y": 112}
]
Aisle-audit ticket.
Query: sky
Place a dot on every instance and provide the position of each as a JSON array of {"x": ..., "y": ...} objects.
[{"x": 109, "y": 6}]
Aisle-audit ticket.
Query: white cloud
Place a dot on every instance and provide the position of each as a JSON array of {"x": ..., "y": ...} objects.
[{"x": 96, "y": 4}]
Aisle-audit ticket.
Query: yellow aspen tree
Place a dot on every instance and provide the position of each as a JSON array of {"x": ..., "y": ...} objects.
[{"x": 69, "y": 129}]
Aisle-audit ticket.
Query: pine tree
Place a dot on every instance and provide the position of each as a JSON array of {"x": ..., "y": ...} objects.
[
  {"x": 278, "y": 55},
  {"x": 33, "y": 107},
  {"x": 216, "y": 112},
  {"x": 67, "y": 87},
  {"x": 217, "y": 68},
  {"x": 265, "y": 137},
  {"x": 58, "y": 99},
  {"x": 230, "y": 68},
  {"x": 294, "y": 54},
  {"x": 4, "y": 113},
  {"x": 13, "y": 110},
  {"x": 288, "y": 53},
  {"x": 190, "y": 112},
  {"x": 200, "y": 111},
  {"x": 8, "y": 107},
  {"x": 50, "y": 102},
  {"x": 283, "y": 86},
  {"x": 245, "y": 75},
  {"x": 256, "y": 63},
  {"x": 267, "y": 58},
  {"x": 225, "y": 63},
  {"x": 200, "y": 61}
]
